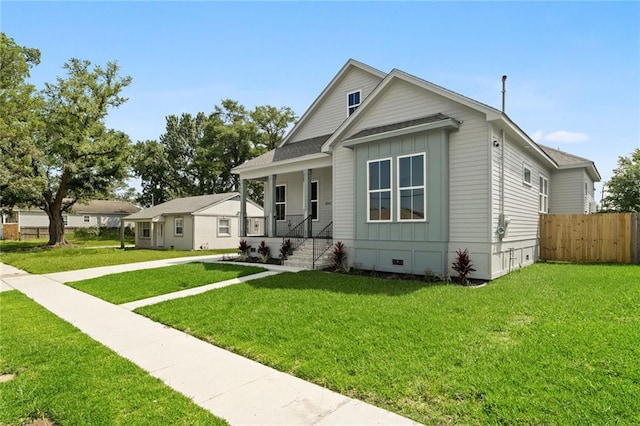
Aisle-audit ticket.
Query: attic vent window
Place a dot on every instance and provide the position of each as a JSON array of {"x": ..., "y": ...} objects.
[{"x": 353, "y": 101}]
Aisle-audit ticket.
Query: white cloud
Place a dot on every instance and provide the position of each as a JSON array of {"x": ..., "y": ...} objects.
[{"x": 560, "y": 136}]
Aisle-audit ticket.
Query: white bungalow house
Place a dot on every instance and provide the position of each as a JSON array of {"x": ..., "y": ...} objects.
[
  {"x": 192, "y": 223},
  {"x": 404, "y": 173},
  {"x": 95, "y": 213}
]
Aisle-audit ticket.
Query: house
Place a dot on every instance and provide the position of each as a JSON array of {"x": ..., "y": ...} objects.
[
  {"x": 404, "y": 173},
  {"x": 192, "y": 223},
  {"x": 96, "y": 213},
  {"x": 574, "y": 179}
]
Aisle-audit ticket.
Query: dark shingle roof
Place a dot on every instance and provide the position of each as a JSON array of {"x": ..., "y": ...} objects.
[
  {"x": 400, "y": 125},
  {"x": 289, "y": 151},
  {"x": 563, "y": 158}
]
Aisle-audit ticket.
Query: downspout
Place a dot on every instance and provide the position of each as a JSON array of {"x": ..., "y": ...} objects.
[{"x": 501, "y": 219}]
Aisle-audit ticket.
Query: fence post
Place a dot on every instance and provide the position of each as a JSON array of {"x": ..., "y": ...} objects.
[{"x": 635, "y": 238}]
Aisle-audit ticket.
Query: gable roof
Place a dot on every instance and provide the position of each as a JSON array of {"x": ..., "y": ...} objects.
[
  {"x": 351, "y": 63},
  {"x": 570, "y": 161},
  {"x": 186, "y": 205},
  {"x": 104, "y": 207}
]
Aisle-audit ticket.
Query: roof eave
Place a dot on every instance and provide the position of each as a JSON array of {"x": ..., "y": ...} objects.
[{"x": 449, "y": 124}]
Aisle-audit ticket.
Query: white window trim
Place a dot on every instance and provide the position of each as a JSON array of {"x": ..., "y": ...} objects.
[
  {"x": 369, "y": 191},
  {"x": 317, "y": 200},
  {"x": 141, "y": 231},
  {"x": 544, "y": 208},
  {"x": 65, "y": 219},
  {"x": 224, "y": 234},
  {"x": 86, "y": 219},
  {"x": 275, "y": 203},
  {"x": 355, "y": 106},
  {"x": 524, "y": 169},
  {"x": 423, "y": 187},
  {"x": 175, "y": 227}
]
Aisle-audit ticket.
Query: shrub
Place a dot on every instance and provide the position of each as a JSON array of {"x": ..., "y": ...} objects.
[
  {"x": 463, "y": 266},
  {"x": 285, "y": 249},
  {"x": 243, "y": 249},
  {"x": 90, "y": 232},
  {"x": 339, "y": 257},
  {"x": 264, "y": 251}
]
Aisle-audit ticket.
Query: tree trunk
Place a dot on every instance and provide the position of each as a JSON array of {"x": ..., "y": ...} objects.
[{"x": 56, "y": 228}]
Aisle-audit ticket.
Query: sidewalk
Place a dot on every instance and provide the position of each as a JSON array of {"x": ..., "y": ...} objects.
[{"x": 230, "y": 386}]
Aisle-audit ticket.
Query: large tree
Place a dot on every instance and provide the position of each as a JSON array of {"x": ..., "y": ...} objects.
[
  {"x": 72, "y": 155},
  {"x": 20, "y": 105},
  {"x": 196, "y": 153},
  {"x": 623, "y": 189}
]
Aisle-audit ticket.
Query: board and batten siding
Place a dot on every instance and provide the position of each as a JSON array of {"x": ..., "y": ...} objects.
[
  {"x": 469, "y": 174},
  {"x": 402, "y": 246},
  {"x": 332, "y": 111}
]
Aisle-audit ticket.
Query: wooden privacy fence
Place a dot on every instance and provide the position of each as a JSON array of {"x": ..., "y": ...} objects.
[{"x": 590, "y": 238}]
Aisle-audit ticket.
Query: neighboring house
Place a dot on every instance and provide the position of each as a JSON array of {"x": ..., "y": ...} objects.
[
  {"x": 404, "y": 173},
  {"x": 96, "y": 213},
  {"x": 192, "y": 223},
  {"x": 573, "y": 183}
]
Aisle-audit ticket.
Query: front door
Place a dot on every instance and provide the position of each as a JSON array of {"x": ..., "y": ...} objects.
[{"x": 160, "y": 235}]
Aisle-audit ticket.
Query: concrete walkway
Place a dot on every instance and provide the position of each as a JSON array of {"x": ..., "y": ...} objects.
[{"x": 232, "y": 387}]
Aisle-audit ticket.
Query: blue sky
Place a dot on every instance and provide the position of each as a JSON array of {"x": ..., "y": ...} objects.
[{"x": 573, "y": 67}]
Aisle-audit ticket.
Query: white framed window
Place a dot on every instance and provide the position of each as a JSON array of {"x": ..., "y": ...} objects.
[
  {"x": 353, "y": 101},
  {"x": 144, "y": 230},
  {"x": 224, "y": 229},
  {"x": 65, "y": 219},
  {"x": 86, "y": 219},
  {"x": 281, "y": 202},
  {"x": 543, "y": 204},
  {"x": 379, "y": 197},
  {"x": 526, "y": 175},
  {"x": 179, "y": 226},
  {"x": 412, "y": 188},
  {"x": 314, "y": 200}
]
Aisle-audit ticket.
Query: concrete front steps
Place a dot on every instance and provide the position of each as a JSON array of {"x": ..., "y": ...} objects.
[{"x": 302, "y": 257}]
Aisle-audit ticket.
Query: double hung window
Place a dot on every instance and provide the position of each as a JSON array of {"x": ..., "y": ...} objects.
[
  {"x": 544, "y": 195},
  {"x": 281, "y": 202},
  {"x": 411, "y": 187},
  {"x": 353, "y": 101},
  {"x": 179, "y": 226},
  {"x": 314, "y": 200},
  {"x": 379, "y": 190}
]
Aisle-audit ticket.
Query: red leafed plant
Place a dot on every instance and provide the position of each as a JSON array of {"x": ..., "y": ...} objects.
[{"x": 463, "y": 266}]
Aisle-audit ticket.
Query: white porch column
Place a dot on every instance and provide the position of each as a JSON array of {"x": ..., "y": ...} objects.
[
  {"x": 271, "y": 210},
  {"x": 306, "y": 199},
  {"x": 243, "y": 208}
]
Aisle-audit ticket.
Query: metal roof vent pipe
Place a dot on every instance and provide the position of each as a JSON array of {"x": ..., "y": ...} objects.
[{"x": 504, "y": 84}]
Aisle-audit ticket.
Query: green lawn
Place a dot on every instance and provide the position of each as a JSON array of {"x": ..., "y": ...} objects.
[
  {"x": 63, "y": 375},
  {"x": 44, "y": 260},
  {"x": 136, "y": 285},
  {"x": 552, "y": 344}
]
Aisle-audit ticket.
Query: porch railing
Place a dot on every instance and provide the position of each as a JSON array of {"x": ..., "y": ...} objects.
[
  {"x": 256, "y": 226},
  {"x": 297, "y": 234},
  {"x": 290, "y": 222},
  {"x": 322, "y": 242}
]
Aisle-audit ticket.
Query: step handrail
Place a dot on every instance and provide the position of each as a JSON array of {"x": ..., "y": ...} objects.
[{"x": 325, "y": 234}]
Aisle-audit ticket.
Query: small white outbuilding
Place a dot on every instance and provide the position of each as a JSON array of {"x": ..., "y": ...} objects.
[{"x": 192, "y": 223}]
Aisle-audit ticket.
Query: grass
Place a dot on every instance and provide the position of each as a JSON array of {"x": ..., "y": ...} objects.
[
  {"x": 136, "y": 285},
  {"x": 552, "y": 344},
  {"x": 44, "y": 260},
  {"x": 63, "y": 375}
]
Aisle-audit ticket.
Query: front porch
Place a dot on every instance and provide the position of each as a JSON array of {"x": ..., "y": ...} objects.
[{"x": 298, "y": 207}]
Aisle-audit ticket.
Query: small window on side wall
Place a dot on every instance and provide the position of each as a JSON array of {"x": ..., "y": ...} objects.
[
  {"x": 86, "y": 219},
  {"x": 223, "y": 228},
  {"x": 526, "y": 175},
  {"x": 179, "y": 226}
]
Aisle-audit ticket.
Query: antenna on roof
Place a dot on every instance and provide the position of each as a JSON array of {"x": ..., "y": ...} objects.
[{"x": 504, "y": 83}]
